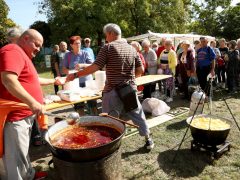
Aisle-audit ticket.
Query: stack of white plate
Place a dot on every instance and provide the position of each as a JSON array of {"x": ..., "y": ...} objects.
[
  {"x": 100, "y": 78},
  {"x": 71, "y": 85},
  {"x": 91, "y": 84}
]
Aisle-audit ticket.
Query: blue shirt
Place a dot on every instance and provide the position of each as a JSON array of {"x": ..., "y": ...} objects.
[
  {"x": 205, "y": 56},
  {"x": 70, "y": 60},
  {"x": 90, "y": 51}
]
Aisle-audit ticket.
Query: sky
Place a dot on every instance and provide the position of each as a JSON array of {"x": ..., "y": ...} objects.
[{"x": 25, "y": 12}]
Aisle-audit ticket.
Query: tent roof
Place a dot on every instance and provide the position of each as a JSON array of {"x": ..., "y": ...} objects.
[{"x": 157, "y": 36}]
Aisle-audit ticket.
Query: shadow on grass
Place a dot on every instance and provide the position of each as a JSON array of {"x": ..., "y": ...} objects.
[
  {"x": 141, "y": 150},
  {"x": 177, "y": 125},
  {"x": 38, "y": 152},
  {"x": 187, "y": 163},
  {"x": 220, "y": 93}
]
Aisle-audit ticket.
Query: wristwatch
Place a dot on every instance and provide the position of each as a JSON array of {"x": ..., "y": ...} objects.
[{"x": 75, "y": 75}]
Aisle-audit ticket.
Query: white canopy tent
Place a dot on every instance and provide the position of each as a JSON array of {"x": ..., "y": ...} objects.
[{"x": 175, "y": 37}]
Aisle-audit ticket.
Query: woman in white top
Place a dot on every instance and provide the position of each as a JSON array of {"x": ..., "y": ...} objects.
[
  {"x": 166, "y": 65},
  {"x": 150, "y": 57}
]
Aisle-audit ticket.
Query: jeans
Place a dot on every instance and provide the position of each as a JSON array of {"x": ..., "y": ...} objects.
[
  {"x": 111, "y": 102},
  {"x": 55, "y": 86},
  {"x": 221, "y": 74},
  {"x": 202, "y": 73}
]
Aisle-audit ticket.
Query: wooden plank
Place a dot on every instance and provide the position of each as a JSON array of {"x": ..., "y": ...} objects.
[
  {"x": 151, "y": 78},
  {"x": 60, "y": 104},
  {"x": 155, "y": 121}
]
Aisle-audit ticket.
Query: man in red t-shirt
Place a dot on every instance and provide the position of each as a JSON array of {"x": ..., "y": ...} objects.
[{"x": 20, "y": 82}]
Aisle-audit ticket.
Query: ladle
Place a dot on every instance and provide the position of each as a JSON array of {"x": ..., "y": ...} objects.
[
  {"x": 120, "y": 120},
  {"x": 71, "y": 118}
]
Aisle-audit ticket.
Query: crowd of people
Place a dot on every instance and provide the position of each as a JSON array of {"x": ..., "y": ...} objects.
[
  {"x": 191, "y": 62},
  {"x": 122, "y": 61}
]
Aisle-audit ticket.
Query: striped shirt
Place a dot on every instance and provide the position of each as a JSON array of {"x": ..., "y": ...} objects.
[{"x": 120, "y": 59}]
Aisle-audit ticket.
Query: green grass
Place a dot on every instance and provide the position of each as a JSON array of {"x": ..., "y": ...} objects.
[
  {"x": 159, "y": 164},
  {"x": 194, "y": 165},
  {"x": 46, "y": 73}
]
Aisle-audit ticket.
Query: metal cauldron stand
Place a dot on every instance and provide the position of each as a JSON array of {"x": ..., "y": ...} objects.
[{"x": 225, "y": 145}]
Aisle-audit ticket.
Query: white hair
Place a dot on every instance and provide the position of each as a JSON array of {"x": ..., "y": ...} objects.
[
  {"x": 110, "y": 27},
  {"x": 137, "y": 45},
  {"x": 238, "y": 41},
  {"x": 169, "y": 41},
  {"x": 14, "y": 32},
  {"x": 145, "y": 43}
]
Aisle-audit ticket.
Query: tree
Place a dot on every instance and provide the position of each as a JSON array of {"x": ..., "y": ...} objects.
[
  {"x": 5, "y": 22},
  {"x": 205, "y": 16},
  {"x": 87, "y": 17},
  {"x": 72, "y": 17},
  {"x": 155, "y": 15},
  {"x": 45, "y": 30},
  {"x": 229, "y": 23}
]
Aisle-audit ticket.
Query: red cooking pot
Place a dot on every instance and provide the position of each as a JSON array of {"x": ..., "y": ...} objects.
[{"x": 86, "y": 154}]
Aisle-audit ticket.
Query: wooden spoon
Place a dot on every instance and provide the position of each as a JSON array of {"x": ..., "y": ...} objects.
[{"x": 120, "y": 120}]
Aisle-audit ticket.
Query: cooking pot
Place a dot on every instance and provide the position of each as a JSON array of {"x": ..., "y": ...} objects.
[
  {"x": 86, "y": 154},
  {"x": 209, "y": 137}
]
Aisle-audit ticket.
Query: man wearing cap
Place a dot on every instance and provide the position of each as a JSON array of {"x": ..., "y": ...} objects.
[
  {"x": 87, "y": 43},
  {"x": 205, "y": 62}
]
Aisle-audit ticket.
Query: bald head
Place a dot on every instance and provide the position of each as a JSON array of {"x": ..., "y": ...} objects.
[
  {"x": 32, "y": 33},
  {"x": 31, "y": 42},
  {"x": 63, "y": 46}
]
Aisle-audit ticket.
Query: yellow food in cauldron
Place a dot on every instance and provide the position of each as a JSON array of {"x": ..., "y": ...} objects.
[{"x": 208, "y": 123}]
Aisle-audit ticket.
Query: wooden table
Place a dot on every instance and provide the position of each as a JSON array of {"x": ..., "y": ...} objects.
[
  {"x": 151, "y": 78},
  {"x": 139, "y": 81},
  {"x": 60, "y": 104}
]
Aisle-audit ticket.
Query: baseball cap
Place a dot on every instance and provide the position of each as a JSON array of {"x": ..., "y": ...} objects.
[{"x": 87, "y": 39}]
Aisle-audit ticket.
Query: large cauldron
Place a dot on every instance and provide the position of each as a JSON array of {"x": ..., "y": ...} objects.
[
  {"x": 87, "y": 154},
  {"x": 209, "y": 137}
]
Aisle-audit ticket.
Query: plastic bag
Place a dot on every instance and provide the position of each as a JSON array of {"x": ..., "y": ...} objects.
[{"x": 155, "y": 106}]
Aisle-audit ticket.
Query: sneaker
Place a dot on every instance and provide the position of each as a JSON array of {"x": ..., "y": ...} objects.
[
  {"x": 149, "y": 144},
  {"x": 223, "y": 85},
  {"x": 169, "y": 99},
  {"x": 163, "y": 97},
  {"x": 40, "y": 175}
]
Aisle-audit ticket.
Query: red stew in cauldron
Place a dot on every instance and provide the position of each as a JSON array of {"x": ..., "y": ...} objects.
[{"x": 80, "y": 137}]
